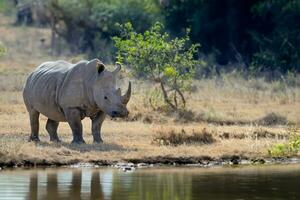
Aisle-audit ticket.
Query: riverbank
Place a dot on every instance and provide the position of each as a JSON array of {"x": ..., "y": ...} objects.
[
  {"x": 139, "y": 142},
  {"x": 131, "y": 164}
]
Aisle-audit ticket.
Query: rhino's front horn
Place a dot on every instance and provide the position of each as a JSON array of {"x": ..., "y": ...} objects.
[
  {"x": 126, "y": 97},
  {"x": 118, "y": 68}
]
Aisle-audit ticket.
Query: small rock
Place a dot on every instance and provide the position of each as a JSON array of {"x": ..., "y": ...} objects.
[
  {"x": 119, "y": 165},
  {"x": 142, "y": 165},
  {"x": 194, "y": 165},
  {"x": 294, "y": 160},
  {"x": 205, "y": 163},
  {"x": 245, "y": 162},
  {"x": 258, "y": 161},
  {"x": 130, "y": 164},
  {"x": 125, "y": 166},
  {"x": 126, "y": 169},
  {"x": 225, "y": 163},
  {"x": 82, "y": 165},
  {"x": 235, "y": 160}
]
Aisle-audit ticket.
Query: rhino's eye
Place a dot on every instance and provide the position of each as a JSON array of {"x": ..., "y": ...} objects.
[{"x": 105, "y": 97}]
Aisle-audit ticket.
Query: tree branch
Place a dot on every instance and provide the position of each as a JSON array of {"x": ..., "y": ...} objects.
[{"x": 166, "y": 98}]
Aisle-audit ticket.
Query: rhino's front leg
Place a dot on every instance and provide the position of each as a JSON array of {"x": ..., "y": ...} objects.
[
  {"x": 74, "y": 119},
  {"x": 96, "y": 126}
]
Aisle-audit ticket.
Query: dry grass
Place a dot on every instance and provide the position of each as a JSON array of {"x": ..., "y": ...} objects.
[
  {"x": 272, "y": 119},
  {"x": 172, "y": 137},
  {"x": 230, "y": 110}
]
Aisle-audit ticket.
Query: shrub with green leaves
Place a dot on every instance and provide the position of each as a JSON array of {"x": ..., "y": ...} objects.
[
  {"x": 291, "y": 148},
  {"x": 2, "y": 49},
  {"x": 157, "y": 57}
]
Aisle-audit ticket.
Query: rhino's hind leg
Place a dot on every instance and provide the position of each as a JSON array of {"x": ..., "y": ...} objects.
[
  {"x": 51, "y": 127},
  {"x": 73, "y": 117},
  {"x": 34, "y": 124}
]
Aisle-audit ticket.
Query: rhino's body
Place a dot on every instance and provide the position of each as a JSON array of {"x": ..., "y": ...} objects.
[
  {"x": 53, "y": 86},
  {"x": 70, "y": 92}
]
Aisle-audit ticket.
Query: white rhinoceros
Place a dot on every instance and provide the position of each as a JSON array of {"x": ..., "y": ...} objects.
[{"x": 66, "y": 92}]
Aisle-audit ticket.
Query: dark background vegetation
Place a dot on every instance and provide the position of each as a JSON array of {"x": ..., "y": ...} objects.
[{"x": 256, "y": 36}]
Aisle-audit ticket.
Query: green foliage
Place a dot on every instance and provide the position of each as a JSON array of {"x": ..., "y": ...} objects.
[
  {"x": 278, "y": 49},
  {"x": 2, "y": 49},
  {"x": 259, "y": 35},
  {"x": 7, "y": 7},
  {"x": 222, "y": 27},
  {"x": 263, "y": 34},
  {"x": 88, "y": 25},
  {"x": 278, "y": 150},
  {"x": 3, "y": 5},
  {"x": 155, "y": 98},
  {"x": 155, "y": 56},
  {"x": 288, "y": 149}
]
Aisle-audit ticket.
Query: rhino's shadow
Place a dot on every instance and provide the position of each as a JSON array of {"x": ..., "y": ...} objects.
[
  {"x": 95, "y": 147},
  {"x": 100, "y": 147}
]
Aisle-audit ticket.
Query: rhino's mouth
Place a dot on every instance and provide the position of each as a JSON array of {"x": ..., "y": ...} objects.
[{"x": 116, "y": 114}]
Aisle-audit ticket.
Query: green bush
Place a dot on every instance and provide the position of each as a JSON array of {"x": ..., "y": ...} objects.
[
  {"x": 153, "y": 55},
  {"x": 2, "y": 49},
  {"x": 288, "y": 149}
]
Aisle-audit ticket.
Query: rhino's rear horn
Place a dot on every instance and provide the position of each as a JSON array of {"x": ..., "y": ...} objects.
[
  {"x": 119, "y": 91},
  {"x": 126, "y": 97},
  {"x": 118, "y": 68}
]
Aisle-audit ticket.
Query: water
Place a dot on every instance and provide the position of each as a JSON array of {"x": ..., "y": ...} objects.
[{"x": 268, "y": 182}]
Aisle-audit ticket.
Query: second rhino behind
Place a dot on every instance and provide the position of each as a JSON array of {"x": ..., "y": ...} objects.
[{"x": 66, "y": 92}]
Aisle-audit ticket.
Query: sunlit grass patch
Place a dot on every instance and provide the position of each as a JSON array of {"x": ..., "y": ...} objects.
[{"x": 257, "y": 133}]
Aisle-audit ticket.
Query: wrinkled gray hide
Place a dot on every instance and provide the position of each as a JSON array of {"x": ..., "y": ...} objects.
[{"x": 66, "y": 92}]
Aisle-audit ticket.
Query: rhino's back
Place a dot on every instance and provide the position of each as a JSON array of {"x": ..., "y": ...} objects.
[{"x": 43, "y": 86}]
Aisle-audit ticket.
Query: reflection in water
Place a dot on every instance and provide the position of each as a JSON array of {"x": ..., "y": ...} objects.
[
  {"x": 52, "y": 187},
  {"x": 75, "y": 187},
  {"x": 103, "y": 184},
  {"x": 96, "y": 189},
  {"x": 33, "y": 185}
]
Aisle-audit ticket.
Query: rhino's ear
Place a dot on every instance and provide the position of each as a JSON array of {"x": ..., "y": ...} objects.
[
  {"x": 95, "y": 66},
  {"x": 100, "y": 67}
]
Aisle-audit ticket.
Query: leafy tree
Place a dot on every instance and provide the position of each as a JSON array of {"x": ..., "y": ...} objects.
[
  {"x": 263, "y": 34},
  {"x": 221, "y": 27},
  {"x": 88, "y": 25},
  {"x": 278, "y": 48},
  {"x": 152, "y": 54}
]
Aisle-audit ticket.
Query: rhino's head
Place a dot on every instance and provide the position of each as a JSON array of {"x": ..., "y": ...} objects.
[{"x": 105, "y": 95}]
